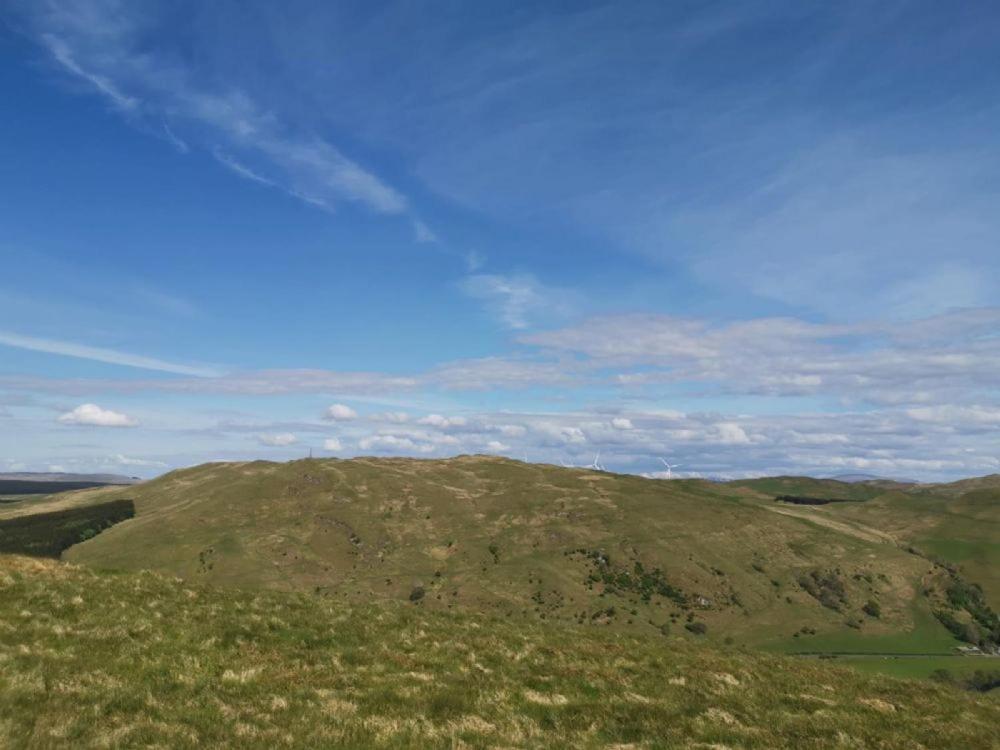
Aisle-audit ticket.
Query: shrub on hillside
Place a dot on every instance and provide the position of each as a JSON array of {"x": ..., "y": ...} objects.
[{"x": 826, "y": 587}]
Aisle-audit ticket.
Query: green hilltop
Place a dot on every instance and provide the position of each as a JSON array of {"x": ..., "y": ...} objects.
[{"x": 717, "y": 562}]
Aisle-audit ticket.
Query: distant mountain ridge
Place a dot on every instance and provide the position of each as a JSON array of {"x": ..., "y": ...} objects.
[
  {"x": 855, "y": 478},
  {"x": 61, "y": 476}
]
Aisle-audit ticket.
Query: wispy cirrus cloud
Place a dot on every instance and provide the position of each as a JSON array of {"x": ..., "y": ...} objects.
[
  {"x": 64, "y": 55},
  {"x": 99, "y": 354},
  {"x": 105, "y": 44},
  {"x": 518, "y": 300}
]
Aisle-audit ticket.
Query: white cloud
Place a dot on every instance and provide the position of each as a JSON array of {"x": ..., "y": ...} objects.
[
  {"x": 97, "y": 354},
  {"x": 939, "y": 370},
  {"x": 950, "y": 440},
  {"x": 946, "y": 357},
  {"x": 332, "y": 444},
  {"x": 94, "y": 415},
  {"x": 501, "y": 372},
  {"x": 278, "y": 439},
  {"x": 395, "y": 417},
  {"x": 340, "y": 413},
  {"x": 393, "y": 444},
  {"x": 517, "y": 299},
  {"x": 560, "y": 433},
  {"x": 622, "y": 423},
  {"x": 957, "y": 415},
  {"x": 441, "y": 422},
  {"x": 730, "y": 433},
  {"x": 509, "y": 430},
  {"x": 121, "y": 460}
]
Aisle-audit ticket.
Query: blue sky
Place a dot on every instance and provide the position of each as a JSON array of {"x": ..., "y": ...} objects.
[{"x": 747, "y": 238}]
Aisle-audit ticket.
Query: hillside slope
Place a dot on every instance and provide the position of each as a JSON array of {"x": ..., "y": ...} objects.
[
  {"x": 960, "y": 528},
  {"x": 139, "y": 660},
  {"x": 516, "y": 539},
  {"x": 809, "y": 487}
]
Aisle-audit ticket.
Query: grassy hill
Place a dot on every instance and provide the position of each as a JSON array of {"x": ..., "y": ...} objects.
[
  {"x": 957, "y": 522},
  {"x": 93, "y": 659},
  {"x": 696, "y": 559},
  {"x": 809, "y": 487},
  {"x": 961, "y": 528},
  {"x": 962, "y": 486}
]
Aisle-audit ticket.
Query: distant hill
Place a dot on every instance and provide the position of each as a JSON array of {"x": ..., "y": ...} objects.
[
  {"x": 855, "y": 478},
  {"x": 28, "y": 483},
  {"x": 952, "y": 489},
  {"x": 143, "y": 660},
  {"x": 705, "y": 560},
  {"x": 810, "y": 487},
  {"x": 39, "y": 476}
]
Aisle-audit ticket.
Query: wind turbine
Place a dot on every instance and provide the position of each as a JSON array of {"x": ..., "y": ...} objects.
[
  {"x": 596, "y": 466},
  {"x": 670, "y": 468}
]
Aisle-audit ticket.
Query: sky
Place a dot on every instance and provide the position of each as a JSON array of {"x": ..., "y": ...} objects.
[{"x": 739, "y": 238}]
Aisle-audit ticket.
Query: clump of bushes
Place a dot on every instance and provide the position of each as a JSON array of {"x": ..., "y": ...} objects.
[
  {"x": 872, "y": 608},
  {"x": 983, "y": 626},
  {"x": 697, "y": 627},
  {"x": 645, "y": 583},
  {"x": 826, "y": 587},
  {"x": 801, "y": 500}
]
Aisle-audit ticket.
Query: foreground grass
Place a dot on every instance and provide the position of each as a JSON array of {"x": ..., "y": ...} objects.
[{"x": 120, "y": 660}]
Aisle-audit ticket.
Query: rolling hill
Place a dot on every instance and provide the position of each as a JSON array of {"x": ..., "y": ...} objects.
[
  {"x": 717, "y": 562},
  {"x": 832, "y": 489},
  {"x": 94, "y": 659},
  {"x": 13, "y": 486},
  {"x": 958, "y": 524}
]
